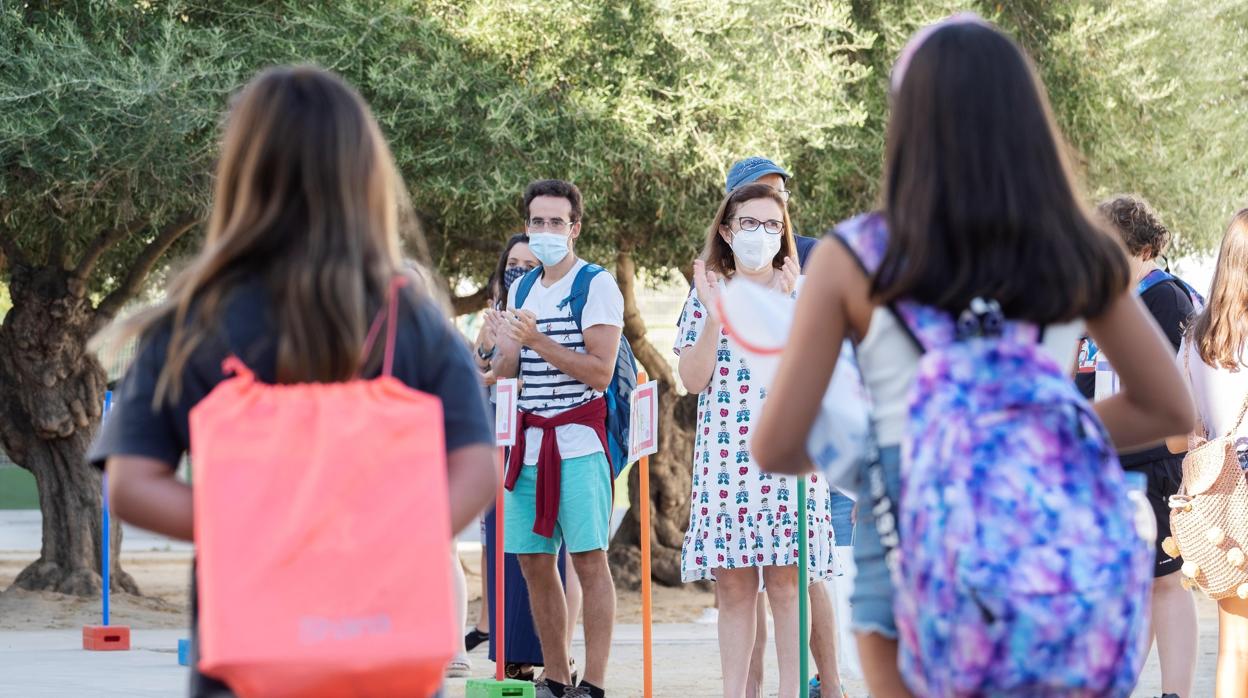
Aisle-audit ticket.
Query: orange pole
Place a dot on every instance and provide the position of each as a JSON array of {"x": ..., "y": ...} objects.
[
  {"x": 500, "y": 635},
  {"x": 647, "y": 639}
]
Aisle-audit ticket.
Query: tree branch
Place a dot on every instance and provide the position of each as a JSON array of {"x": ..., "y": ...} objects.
[
  {"x": 103, "y": 242},
  {"x": 143, "y": 264},
  {"x": 9, "y": 249},
  {"x": 635, "y": 327},
  {"x": 462, "y": 305}
]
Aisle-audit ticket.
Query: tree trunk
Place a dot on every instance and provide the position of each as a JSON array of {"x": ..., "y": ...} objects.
[
  {"x": 462, "y": 305},
  {"x": 671, "y": 475},
  {"x": 51, "y": 400}
]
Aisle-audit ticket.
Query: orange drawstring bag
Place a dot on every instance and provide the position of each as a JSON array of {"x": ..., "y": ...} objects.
[{"x": 322, "y": 530}]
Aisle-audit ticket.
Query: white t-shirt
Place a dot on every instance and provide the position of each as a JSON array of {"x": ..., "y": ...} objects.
[
  {"x": 547, "y": 391},
  {"x": 889, "y": 361},
  {"x": 1219, "y": 392}
]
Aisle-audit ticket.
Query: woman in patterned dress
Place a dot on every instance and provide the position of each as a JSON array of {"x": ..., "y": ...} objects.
[{"x": 742, "y": 522}]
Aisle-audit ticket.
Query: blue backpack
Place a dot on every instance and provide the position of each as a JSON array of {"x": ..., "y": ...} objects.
[{"x": 623, "y": 381}]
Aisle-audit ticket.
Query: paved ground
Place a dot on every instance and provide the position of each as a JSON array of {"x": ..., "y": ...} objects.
[
  {"x": 45, "y": 664},
  {"x": 52, "y": 663}
]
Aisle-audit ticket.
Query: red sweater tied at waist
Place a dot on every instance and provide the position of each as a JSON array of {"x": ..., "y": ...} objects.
[{"x": 592, "y": 414}]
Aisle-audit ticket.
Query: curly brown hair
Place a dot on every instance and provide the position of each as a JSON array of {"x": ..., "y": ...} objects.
[{"x": 1136, "y": 222}]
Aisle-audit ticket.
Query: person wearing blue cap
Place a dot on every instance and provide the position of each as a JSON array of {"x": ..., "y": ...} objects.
[
  {"x": 760, "y": 169},
  {"x": 823, "y": 621}
]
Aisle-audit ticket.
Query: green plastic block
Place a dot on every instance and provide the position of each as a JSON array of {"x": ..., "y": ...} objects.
[{"x": 507, "y": 688}]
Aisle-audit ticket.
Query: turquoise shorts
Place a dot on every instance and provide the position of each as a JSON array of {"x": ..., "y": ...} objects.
[{"x": 584, "y": 521}]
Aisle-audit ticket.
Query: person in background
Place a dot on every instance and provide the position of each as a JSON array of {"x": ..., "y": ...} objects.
[
  {"x": 764, "y": 171},
  {"x": 1214, "y": 355},
  {"x": 559, "y": 478},
  {"x": 743, "y": 528},
  {"x": 1169, "y": 302},
  {"x": 300, "y": 249},
  {"x": 961, "y": 219},
  {"x": 822, "y": 611},
  {"x": 524, "y": 650}
]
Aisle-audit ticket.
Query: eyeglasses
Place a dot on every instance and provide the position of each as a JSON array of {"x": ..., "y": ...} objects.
[
  {"x": 749, "y": 225},
  {"x": 784, "y": 194},
  {"x": 553, "y": 225}
]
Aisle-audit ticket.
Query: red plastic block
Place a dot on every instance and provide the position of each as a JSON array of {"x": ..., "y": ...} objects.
[{"x": 105, "y": 638}]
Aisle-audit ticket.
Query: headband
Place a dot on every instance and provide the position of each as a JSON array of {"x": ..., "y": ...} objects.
[{"x": 922, "y": 35}]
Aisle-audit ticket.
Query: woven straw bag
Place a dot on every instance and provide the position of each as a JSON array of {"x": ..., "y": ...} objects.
[{"x": 1209, "y": 515}]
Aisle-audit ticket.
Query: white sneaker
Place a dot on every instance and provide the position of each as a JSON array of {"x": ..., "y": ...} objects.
[
  {"x": 459, "y": 668},
  {"x": 710, "y": 616}
]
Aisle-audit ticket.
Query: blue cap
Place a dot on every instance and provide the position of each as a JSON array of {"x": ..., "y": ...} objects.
[{"x": 750, "y": 169}]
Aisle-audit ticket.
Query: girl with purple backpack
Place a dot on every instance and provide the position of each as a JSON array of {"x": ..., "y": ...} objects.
[{"x": 1005, "y": 561}]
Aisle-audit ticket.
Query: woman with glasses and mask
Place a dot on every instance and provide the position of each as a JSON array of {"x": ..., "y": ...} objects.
[{"x": 743, "y": 522}]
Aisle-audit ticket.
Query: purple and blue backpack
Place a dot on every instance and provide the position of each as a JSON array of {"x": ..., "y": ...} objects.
[{"x": 1019, "y": 570}]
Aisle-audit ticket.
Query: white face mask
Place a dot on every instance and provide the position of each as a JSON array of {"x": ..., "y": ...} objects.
[{"x": 754, "y": 249}]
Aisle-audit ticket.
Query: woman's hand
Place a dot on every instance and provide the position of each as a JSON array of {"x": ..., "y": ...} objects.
[
  {"x": 707, "y": 284},
  {"x": 489, "y": 331},
  {"x": 788, "y": 275}
]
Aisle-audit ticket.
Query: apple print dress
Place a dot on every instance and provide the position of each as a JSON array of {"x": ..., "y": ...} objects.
[{"x": 740, "y": 516}]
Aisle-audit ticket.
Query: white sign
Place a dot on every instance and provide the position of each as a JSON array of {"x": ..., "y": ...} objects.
[
  {"x": 643, "y": 429},
  {"x": 505, "y": 421}
]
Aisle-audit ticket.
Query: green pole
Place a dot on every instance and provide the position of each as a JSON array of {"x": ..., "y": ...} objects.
[{"x": 803, "y": 593}]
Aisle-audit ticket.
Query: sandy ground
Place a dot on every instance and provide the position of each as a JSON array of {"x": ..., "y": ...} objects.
[{"x": 163, "y": 577}]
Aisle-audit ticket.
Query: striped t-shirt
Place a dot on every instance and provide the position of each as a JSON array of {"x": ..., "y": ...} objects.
[{"x": 546, "y": 390}]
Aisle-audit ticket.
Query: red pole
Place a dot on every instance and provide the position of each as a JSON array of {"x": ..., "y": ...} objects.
[{"x": 500, "y": 634}]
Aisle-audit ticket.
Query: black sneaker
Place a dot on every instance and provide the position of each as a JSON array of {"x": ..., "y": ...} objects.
[{"x": 474, "y": 638}]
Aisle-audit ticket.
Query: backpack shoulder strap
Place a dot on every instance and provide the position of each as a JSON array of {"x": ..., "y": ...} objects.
[
  {"x": 579, "y": 294},
  {"x": 1153, "y": 278},
  {"x": 865, "y": 237},
  {"x": 1198, "y": 301},
  {"x": 526, "y": 284}
]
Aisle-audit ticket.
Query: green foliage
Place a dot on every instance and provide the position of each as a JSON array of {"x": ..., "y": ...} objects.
[
  {"x": 110, "y": 110},
  {"x": 1151, "y": 92},
  {"x": 643, "y": 105},
  {"x": 108, "y": 117}
]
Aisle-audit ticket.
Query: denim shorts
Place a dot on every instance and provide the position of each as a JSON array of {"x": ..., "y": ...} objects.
[
  {"x": 872, "y": 598},
  {"x": 842, "y": 519}
]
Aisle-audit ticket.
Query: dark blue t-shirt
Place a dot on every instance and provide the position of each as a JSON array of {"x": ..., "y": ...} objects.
[
  {"x": 430, "y": 356},
  {"x": 1171, "y": 307},
  {"x": 804, "y": 247}
]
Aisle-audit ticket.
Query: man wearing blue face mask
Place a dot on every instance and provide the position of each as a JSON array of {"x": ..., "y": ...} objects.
[{"x": 559, "y": 477}]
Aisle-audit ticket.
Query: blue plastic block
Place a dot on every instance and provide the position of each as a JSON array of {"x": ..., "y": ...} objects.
[{"x": 184, "y": 652}]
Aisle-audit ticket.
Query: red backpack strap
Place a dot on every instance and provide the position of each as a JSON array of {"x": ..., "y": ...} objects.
[
  {"x": 389, "y": 315},
  {"x": 234, "y": 366}
]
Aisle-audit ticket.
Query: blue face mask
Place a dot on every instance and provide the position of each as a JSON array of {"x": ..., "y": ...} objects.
[
  {"x": 510, "y": 276},
  {"x": 549, "y": 248}
]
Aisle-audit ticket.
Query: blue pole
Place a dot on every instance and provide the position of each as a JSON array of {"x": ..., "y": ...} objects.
[{"x": 105, "y": 538}]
